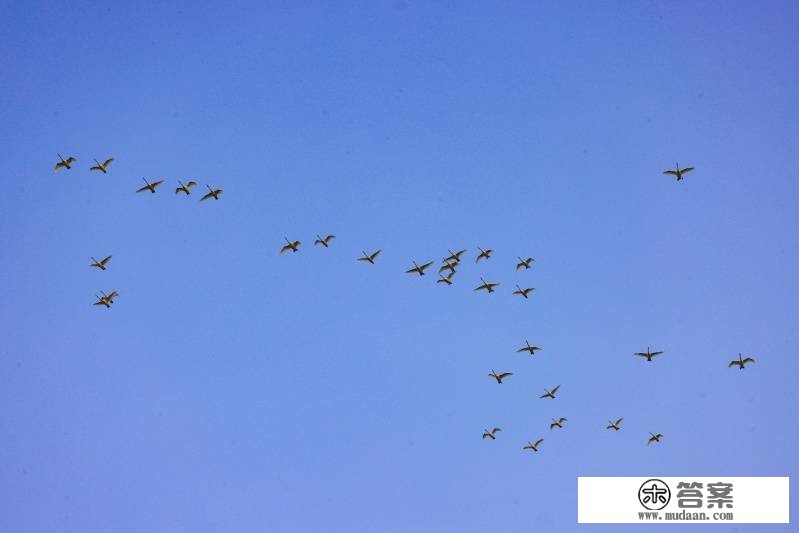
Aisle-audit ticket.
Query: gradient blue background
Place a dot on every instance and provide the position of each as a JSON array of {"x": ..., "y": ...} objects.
[{"x": 234, "y": 389}]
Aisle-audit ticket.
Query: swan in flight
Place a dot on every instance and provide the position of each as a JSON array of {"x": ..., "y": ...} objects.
[
  {"x": 150, "y": 186},
  {"x": 615, "y": 425},
  {"x": 557, "y": 423},
  {"x": 64, "y": 163},
  {"x": 523, "y": 292},
  {"x": 654, "y": 438},
  {"x": 486, "y": 286},
  {"x": 491, "y": 434},
  {"x": 678, "y": 171},
  {"x": 529, "y": 348},
  {"x": 484, "y": 254},
  {"x": 419, "y": 269},
  {"x": 293, "y": 246},
  {"x": 212, "y": 193},
  {"x": 533, "y": 446},
  {"x": 324, "y": 242},
  {"x": 550, "y": 393},
  {"x": 100, "y": 264},
  {"x": 740, "y": 362},
  {"x": 186, "y": 189},
  {"x": 102, "y": 167},
  {"x": 649, "y": 355},
  {"x": 524, "y": 263},
  {"x": 369, "y": 258},
  {"x": 499, "y": 377}
]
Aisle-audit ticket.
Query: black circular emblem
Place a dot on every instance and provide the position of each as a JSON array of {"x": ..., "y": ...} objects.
[{"x": 654, "y": 494}]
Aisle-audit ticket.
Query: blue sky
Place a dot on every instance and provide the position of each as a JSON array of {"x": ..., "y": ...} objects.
[{"x": 234, "y": 389}]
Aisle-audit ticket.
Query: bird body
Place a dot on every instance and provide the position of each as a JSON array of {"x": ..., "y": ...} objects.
[
  {"x": 486, "y": 286},
  {"x": 102, "y": 167},
  {"x": 741, "y": 362},
  {"x": 324, "y": 242},
  {"x": 533, "y": 445},
  {"x": 550, "y": 393},
  {"x": 523, "y": 292},
  {"x": 524, "y": 263},
  {"x": 64, "y": 163},
  {"x": 648, "y": 354},
  {"x": 100, "y": 264},
  {"x": 678, "y": 172},
  {"x": 369, "y": 258},
  {"x": 418, "y": 269},
  {"x": 150, "y": 186},
  {"x": 484, "y": 254},
  {"x": 186, "y": 189},
  {"x": 491, "y": 434},
  {"x": 212, "y": 193},
  {"x": 529, "y": 348},
  {"x": 294, "y": 246},
  {"x": 499, "y": 377}
]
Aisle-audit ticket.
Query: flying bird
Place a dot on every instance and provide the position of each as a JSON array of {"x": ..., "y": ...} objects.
[
  {"x": 186, "y": 189},
  {"x": 649, "y": 355},
  {"x": 524, "y": 263},
  {"x": 212, "y": 193},
  {"x": 550, "y": 393},
  {"x": 523, "y": 292},
  {"x": 106, "y": 299},
  {"x": 486, "y": 286},
  {"x": 491, "y": 434},
  {"x": 64, "y": 163},
  {"x": 102, "y": 167},
  {"x": 615, "y": 425},
  {"x": 150, "y": 186},
  {"x": 448, "y": 266},
  {"x": 740, "y": 362},
  {"x": 324, "y": 242},
  {"x": 533, "y": 446},
  {"x": 654, "y": 438},
  {"x": 499, "y": 377},
  {"x": 418, "y": 269},
  {"x": 557, "y": 423},
  {"x": 100, "y": 264},
  {"x": 678, "y": 172},
  {"x": 293, "y": 246},
  {"x": 529, "y": 348},
  {"x": 369, "y": 258},
  {"x": 454, "y": 256},
  {"x": 484, "y": 254},
  {"x": 447, "y": 280}
]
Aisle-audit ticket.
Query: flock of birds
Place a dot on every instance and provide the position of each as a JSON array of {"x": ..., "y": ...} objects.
[{"x": 446, "y": 272}]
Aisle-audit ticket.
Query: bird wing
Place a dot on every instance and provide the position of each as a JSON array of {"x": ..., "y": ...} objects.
[
  {"x": 505, "y": 374},
  {"x": 145, "y": 188},
  {"x": 191, "y": 184},
  {"x": 105, "y": 261},
  {"x": 207, "y": 196},
  {"x": 519, "y": 265},
  {"x": 492, "y": 285},
  {"x": 733, "y": 363},
  {"x": 482, "y": 287},
  {"x": 60, "y": 165},
  {"x": 687, "y": 169},
  {"x": 412, "y": 270},
  {"x": 286, "y": 248},
  {"x": 494, "y": 430},
  {"x": 108, "y": 161},
  {"x": 653, "y": 354},
  {"x": 671, "y": 172},
  {"x": 425, "y": 266},
  {"x": 552, "y": 425},
  {"x": 617, "y": 422},
  {"x": 546, "y": 395},
  {"x": 157, "y": 183},
  {"x": 555, "y": 390},
  {"x": 641, "y": 354},
  {"x": 524, "y": 349},
  {"x": 749, "y": 360},
  {"x": 96, "y": 167},
  {"x": 538, "y": 442},
  {"x": 374, "y": 255}
]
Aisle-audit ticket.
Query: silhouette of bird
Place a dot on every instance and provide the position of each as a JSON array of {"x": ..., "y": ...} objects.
[
  {"x": 324, "y": 242},
  {"x": 64, "y": 163},
  {"x": 740, "y": 362},
  {"x": 186, "y": 189},
  {"x": 150, "y": 186},
  {"x": 447, "y": 280},
  {"x": 454, "y": 257},
  {"x": 484, "y": 254},
  {"x": 529, "y": 348},
  {"x": 524, "y": 263},
  {"x": 486, "y": 286},
  {"x": 293, "y": 246},
  {"x": 499, "y": 377},
  {"x": 100, "y": 264},
  {"x": 418, "y": 269},
  {"x": 615, "y": 425},
  {"x": 102, "y": 167},
  {"x": 212, "y": 193},
  {"x": 654, "y": 438},
  {"x": 649, "y": 355},
  {"x": 448, "y": 266},
  {"x": 369, "y": 258},
  {"x": 523, "y": 292},
  {"x": 557, "y": 423},
  {"x": 550, "y": 393},
  {"x": 678, "y": 172},
  {"x": 533, "y": 446},
  {"x": 106, "y": 299},
  {"x": 491, "y": 434}
]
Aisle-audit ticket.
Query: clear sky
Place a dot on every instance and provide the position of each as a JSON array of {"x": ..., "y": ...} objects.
[{"x": 234, "y": 389}]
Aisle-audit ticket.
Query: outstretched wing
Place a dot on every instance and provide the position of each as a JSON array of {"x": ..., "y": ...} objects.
[
  {"x": 145, "y": 188},
  {"x": 374, "y": 255},
  {"x": 505, "y": 374},
  {"x": 545, "y": 395},
  {"x": 494, "y": 430},
  {"x": 105, "y": 261},
  {"x": 733, "y": 363},
  {"x": 555, "y": 390},
  {"x": 653, "y": 354},
  {"x": 425, "y": 266},
  {"x": 285, "y": 249},
  {"x": 670, "y": 172},
  {"x": 97, "y": 167},
  {"x": 749, "y": 360},
  {"x": 108, "y": 161},
  {"x": 617, "y": 422},
  {"x": 482, "y": 287},
  {"x": 523, "y": 349},
  {"x": 687, "y": 169},
  {"x": 157, "y": 183},
  {"x": 538, "y": 443},
  {"x": 641, "y": 354},
  {"x": 207, "y": 196}
]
